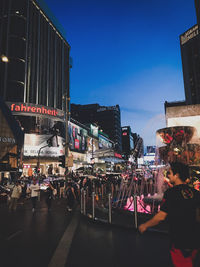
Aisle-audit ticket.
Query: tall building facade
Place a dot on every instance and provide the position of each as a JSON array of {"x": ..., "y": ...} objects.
[
  {"x": 106, "y": 117},
  {"x": 34, "y": 71},
  {"x": 190, "y": 53},
  {"x": 38, "y": 55},
  {"x": 127, "y": 141},
  {"x": 197, "y": 5}
]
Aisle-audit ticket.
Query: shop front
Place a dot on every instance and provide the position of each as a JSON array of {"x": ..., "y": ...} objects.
[
  {"x": 40, "y": 123},
  {"x": 11, "y": 141}
]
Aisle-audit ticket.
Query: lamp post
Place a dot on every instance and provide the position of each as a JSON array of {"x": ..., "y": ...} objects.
[{"x": 67, "y": 103}]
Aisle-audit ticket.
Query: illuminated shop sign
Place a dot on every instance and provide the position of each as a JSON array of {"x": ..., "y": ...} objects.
[
  {"x": 9, "y": 140},
  {"x": 27, "y": 108},
  {"x": 191, "y": 33},
  {"x": 117, "y": 155},
  {"x": 107, "y": 108},
  {"x": 76, "y": 144}
]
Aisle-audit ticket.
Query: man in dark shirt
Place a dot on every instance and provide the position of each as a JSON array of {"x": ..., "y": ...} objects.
[{"x": 181, "y": 204}]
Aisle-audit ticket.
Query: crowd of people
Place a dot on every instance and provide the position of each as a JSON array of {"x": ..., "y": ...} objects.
[
  {"x": 180, "y": 203},
  {"x": 49, "y": 188}
]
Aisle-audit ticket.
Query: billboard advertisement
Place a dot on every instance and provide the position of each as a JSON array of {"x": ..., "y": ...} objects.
[
  {"x": 34, "y": 142},
  {"x": 77, "y": 138},
  {"x": 104, "y": 142}
]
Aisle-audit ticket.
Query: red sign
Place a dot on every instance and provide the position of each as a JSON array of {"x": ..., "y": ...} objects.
[
  {"x": 117, "y": 155},
  {"x": 76, "y": 144},
  {"x": 32, "y": 109}
]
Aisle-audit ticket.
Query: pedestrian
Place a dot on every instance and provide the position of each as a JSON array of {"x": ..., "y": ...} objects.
[
  {"x": 181, "y": 205},
  {"x": 23, "y": 194},
  {"x": 62, "y": 188},
  {"x": 34, "y": 190},
  {"x": 70, "y": 195},
  {"x": 49, "y": 195},
  {"x": 15, "y": 195}
]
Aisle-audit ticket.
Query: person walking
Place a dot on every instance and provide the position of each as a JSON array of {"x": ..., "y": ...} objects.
[
  {"x": 15, "y": 195},
  {"x": 34, "y": 189},
  {"x": 70, "y": 195},
  {"x": 49, "y": 195},
  {"x": 62, "y": 188},
  {"x": 181, "y": 205}
]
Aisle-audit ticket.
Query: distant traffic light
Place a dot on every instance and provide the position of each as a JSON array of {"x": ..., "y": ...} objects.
[{"x": 62, "y": 160}]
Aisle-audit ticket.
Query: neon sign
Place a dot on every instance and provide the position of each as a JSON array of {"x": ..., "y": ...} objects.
[{"x": 33, "y": 109}]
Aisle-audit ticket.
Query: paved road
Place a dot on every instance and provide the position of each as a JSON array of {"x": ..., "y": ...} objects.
[
  {"x": 62, "y": 239},
  {"x": 30, "y": 239},
  {"x": 103, "y": 245}
]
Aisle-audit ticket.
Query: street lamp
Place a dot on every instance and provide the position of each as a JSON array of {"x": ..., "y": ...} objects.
[
  {"x": 67, "y": 118},
  {"x": 4, "y": 59}
]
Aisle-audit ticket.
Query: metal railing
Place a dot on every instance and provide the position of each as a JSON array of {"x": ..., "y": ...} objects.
[{"x": 121, "y": 204}]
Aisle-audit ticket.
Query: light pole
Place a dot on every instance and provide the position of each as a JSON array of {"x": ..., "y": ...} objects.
[{"x": 67, "y": 117}]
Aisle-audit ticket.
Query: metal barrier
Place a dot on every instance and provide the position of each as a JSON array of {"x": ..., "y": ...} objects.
[
  {"x": 93, "y": 205},
  {"x": 135, "y": 211},
  {"x": 118, "y": 204},
  {"x": 109, "y": 208}
]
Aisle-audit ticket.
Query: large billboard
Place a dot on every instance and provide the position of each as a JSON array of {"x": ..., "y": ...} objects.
[
  {"x": 104, "y": 142},
  {"x": 77, "y": 138},
  {"x": 34, "y": 142}
]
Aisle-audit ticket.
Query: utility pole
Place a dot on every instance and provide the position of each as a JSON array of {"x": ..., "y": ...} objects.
[{"x": 67, "y": 117}]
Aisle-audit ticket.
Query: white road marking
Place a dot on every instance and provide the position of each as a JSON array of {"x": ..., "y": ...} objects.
[
  {"x": 61, "y": 253},
  {"x": 13, "y": 235}
]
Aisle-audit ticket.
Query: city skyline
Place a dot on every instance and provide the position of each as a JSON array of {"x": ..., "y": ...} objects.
[{"x": 127, "y": 53}]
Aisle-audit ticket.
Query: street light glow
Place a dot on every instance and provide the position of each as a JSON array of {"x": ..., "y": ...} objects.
[{"x": 4, "y": 58}]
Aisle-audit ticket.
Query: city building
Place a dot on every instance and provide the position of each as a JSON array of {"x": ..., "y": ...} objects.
[
  {"x": 108, "y": 118},
  {"x": 91, "y": 147},
  {"x": 34, "y": 71},
  {"x": 197, "y": 5},
  {"x": 132, "y": 145},
  {"x": 11, "y": 140},
  {"x": 127, "y": 142},
  {"x": 190, "y": 53}
]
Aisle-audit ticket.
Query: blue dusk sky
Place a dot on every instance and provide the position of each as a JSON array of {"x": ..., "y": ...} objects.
[{"x": 126, "y": 52}]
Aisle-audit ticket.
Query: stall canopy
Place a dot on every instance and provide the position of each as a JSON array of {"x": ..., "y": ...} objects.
[{"x": 11, "y": 134}]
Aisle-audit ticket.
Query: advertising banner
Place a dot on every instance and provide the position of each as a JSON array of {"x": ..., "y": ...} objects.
[
  {"x": 34, "y": 142},
  {"x": 77, "y": 138},
  {"x": 104, "y": 142}
]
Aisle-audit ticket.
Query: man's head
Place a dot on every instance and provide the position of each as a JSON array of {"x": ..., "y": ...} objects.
[{"x": 178, "y": 170}]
